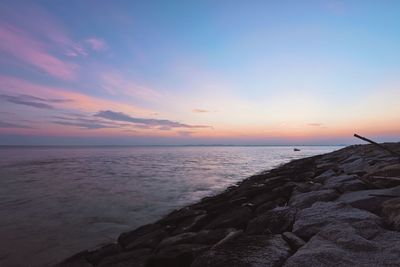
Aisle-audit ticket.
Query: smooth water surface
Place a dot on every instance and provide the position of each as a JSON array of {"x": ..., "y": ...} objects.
[{"x": 56, "y": 201}]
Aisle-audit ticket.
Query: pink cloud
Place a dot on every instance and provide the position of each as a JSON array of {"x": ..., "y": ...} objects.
[
  {"x": 116, "y": 84},
  {"x": 37, "y": 21},
  {"x": 199, "y": 110},
  {"x": 25, "y": 48},
  {"x": 96, "y": 44},
  {"x": 77, "y": 101}
]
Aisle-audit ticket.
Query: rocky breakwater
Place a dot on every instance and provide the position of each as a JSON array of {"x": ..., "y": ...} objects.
[{"x": 337, "y": 209}]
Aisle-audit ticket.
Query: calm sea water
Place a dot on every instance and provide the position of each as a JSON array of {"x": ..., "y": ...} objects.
[{"x": 55, "y": 201}]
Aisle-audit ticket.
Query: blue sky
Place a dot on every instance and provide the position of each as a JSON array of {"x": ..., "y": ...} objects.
[{"x": 179, "y": 72}]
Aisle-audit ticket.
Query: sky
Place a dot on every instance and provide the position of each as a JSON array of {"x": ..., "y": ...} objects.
[{"x": 199, "y": 72}]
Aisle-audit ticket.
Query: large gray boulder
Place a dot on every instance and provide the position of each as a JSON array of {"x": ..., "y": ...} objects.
[
  {"x": 312, "y": 220},
  {"x": 305, "y": 200},
  {"x": 344, "y": 183},
  {"x": 345, "y": 244},
  {"x": 370, "y": 200},
  {"x": 247, "y": 251}
]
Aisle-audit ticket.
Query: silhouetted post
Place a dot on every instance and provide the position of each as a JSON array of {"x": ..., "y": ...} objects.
[{"x": 378, "y": 145}]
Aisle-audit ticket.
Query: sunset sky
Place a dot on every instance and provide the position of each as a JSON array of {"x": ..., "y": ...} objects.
[{"x": 199, "y": 72}]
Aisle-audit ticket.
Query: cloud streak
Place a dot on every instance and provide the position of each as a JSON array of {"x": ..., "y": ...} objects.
[
  {"x": 162, "y": 124},
  {"x": 96, "y": 44},
  {"x": 315, "y": 124},
  {"x": 199, "y": 110},
  {"x": 32, "y": 101},
  {"x": 83, "y": 122},
  {"x": 4, "y": 124}
]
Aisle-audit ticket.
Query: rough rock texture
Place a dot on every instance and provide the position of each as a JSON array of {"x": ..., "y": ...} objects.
[
  {"x": 305, "y": 200},
  {"x": 370, "y": 200},
  {"x": 311, "y": 220},
  {"x": 275, "y": 221},
  {"x": 338, "y": 209},
  {"x": 346, "y": 245},
  {"x": 247, "y": 251}
]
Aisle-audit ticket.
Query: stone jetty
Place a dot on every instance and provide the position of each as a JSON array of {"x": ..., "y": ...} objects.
[{"x": 337, "y": 209}]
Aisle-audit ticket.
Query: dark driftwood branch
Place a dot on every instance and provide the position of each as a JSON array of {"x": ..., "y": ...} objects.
[{"x": 378, "y": 145}]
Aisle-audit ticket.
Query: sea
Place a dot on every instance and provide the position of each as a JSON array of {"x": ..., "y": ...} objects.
[{"x": 57, "y": 201}]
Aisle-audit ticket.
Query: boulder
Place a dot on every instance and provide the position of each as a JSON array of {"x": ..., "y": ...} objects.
[
  {"x": 275, "y": 221},
  {"x": 77, "y": 260},
  {"x": 370, "y": 200},
  {"x": 246, "y": 251},
  {"x": 343, "y": 245},
  {"x": 187, "y": 237},
  {"x": 391, "y": 212},
  {"x": 311, "y": 220},
  {"x": 179, "y": 215},
  {"x": 97, "y": 255},
  {"x": 191, "y": 224},
  {"x": 323, "y": 176},
  {"x": 136, "y": 258},
  {"x": 147, "y": 236},
  {"x": 305, "y": 200},
  {"x": 176, "y": 256},
  {"x": 335, "y": 181},
  {"x": 270, "y": 205},
  {"x": 202, "y": 237},
  {"x": 234, "y": 218},
  {"x": 293, "y": 240},
  {"x": 306, "y": 187}
]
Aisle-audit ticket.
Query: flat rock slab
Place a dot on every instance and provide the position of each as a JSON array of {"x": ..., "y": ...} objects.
[
  {"x": 369, "y": 199},
  {"x": 305, "y": 200},
  {"x": 348, "y": 245},
  {"x": 312, "y": 220},
  {"x": 247, "y": 251}
]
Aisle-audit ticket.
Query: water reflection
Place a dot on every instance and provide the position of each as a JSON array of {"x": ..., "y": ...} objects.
[{"x": 57, "y": 201}]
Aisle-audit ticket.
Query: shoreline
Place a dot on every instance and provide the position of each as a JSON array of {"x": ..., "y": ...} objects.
[{"x": 297, "y": 214}]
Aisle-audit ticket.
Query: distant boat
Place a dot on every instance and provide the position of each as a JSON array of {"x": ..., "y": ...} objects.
[{"x": 296, "y": 149}]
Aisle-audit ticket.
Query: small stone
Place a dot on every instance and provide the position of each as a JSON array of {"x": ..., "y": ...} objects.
[{"x": 293, "y": 240}]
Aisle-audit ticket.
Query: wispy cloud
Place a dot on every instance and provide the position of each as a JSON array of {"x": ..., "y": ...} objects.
[
  {"x": 162, "y": 124},
  {"x": 42, "y": 25},
  {"x": 76, "y": 101},
  {"x": 4, "y": 124},
  {"x": 199, "y": 110},
  {"x": 19, "y": 44},
  {"x": 32, "y": 101},
  {"x": 315, "y": 124},
  {"x": 96, "y": 44},
  {"x": 83, "y": 121},
  {"x": 116, "y": 84},
  {"x": 84, "y": 125}
]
